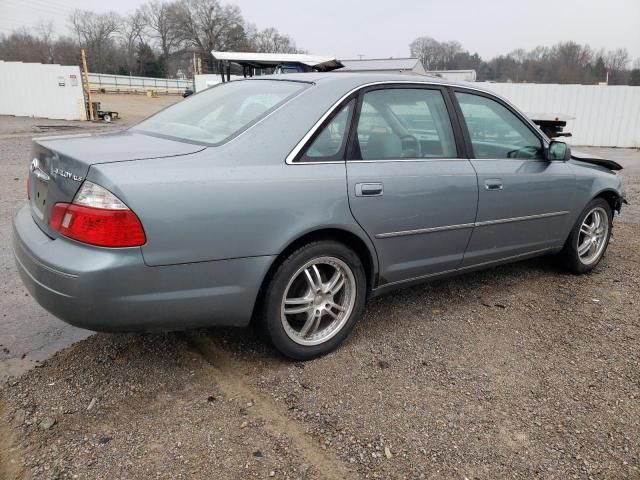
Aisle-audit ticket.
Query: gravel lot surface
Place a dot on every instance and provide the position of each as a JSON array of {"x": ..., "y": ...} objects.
[{"x": 522, "y": 371}]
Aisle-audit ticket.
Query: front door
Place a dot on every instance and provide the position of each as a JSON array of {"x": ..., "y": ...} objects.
[
  {"x": 408, "y": 187},
  {"x": 523, "y": 199}
]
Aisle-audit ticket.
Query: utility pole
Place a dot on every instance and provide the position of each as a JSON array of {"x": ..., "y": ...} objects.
[{"x": 85, "y": 81}]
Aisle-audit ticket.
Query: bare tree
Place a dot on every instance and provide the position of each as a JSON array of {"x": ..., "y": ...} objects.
[
  {"x": 159, "y": 17},
  {"x": 46, "y": 30},
  {"x": 208, "y": 25},
  {"x": 434, "y": 55},
  {"x": 427, "y": 50},
  {"x": 22, "y": 46},
  {"x": 269, "y": 40},
  {"x": 131, "y": 34},
  {"x": 616, "y": 62},
  {"x": 95, "y": 32}
]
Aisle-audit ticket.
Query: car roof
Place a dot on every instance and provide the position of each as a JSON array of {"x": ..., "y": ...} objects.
[{"x": 349, "y": 80}]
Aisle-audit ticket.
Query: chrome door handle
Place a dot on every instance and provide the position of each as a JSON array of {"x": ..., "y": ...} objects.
[
  {"x": 493, "y": 184},
  {"x": 369, "y": 189}
]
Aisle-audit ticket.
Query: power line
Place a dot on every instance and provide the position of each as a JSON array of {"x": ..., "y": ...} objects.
[
  {"x": 54, "y": 6},
  {"x": 39, "y": 8}
]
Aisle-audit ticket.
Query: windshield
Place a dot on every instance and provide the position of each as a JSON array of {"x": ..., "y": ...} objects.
[{"x": 220, "y": 112}]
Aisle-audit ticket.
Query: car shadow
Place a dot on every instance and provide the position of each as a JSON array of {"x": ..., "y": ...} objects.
[{"x": 249, "y": 343}]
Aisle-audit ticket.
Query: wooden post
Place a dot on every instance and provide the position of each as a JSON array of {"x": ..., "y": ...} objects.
[{"x": 87, "y": 87}]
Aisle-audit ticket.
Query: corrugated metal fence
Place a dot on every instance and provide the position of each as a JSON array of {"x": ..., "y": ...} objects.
[
  {"x": 37, "y": 90},
  {"x": 605, "y": 116},
  {"x": 128, "y": 84}
]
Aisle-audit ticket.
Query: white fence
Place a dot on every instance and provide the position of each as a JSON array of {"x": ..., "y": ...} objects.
[
  {"x": 605, "y": 116},
  {"x": 41, "y": 90},
  {"x": 129, "y": 84}
]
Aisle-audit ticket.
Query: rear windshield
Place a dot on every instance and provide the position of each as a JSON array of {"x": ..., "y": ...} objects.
[{"x": 218, "y": 113}]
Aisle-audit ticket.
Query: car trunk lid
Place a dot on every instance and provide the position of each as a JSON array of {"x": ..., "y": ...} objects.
[{"x": 60, "y": 164}]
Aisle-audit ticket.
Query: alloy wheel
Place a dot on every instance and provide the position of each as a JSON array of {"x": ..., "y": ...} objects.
[
  {"x": 318, "y": 300},
  {"x": 593, "y": 235}
]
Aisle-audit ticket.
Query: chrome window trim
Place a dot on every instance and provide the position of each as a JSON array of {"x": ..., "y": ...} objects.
[
  {"x": 302, "y": 143},
  {"x": 425, "y": 159},
  {"x": 469, "y": 225}
]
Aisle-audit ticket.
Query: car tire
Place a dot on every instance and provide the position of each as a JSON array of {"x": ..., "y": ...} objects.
[
  {"x": 314, "y": 298},
  {"x": 589, "y": 238}
]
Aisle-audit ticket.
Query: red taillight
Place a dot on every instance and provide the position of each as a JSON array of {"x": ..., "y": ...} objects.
[{"x": 98, "y": 226}]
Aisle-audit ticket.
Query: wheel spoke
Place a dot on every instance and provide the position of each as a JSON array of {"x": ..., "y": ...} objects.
[
  {"x": 336, "y": 306},
  {"x": 584, "y": 247},
  {"x": 338, "y": 286},
  {"x": 334, "y": 280},
  {"x": 299, "y": 301},
  {"x": 586, "y": 229},
  {"x": 315, "y": 286},
  {"x": 311, "y": 324},
  {"x": 332, "y": 313},
  {"x": 300, "y": 309},
  {"x": 316, "y": 324},
  {"x": 596, "y": 221}
]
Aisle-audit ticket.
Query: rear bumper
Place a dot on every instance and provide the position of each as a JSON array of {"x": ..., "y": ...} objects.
[{"x": 113, "y": 290}]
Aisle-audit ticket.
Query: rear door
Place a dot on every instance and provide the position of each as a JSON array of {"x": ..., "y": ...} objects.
[
  {"x": 523, "y": 199},
  {"x": 409, "y": 185}
]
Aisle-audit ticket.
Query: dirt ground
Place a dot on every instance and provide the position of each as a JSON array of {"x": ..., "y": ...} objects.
[
  {"x": 521, "y": 371},
  {"x": 133, "y": 108}
]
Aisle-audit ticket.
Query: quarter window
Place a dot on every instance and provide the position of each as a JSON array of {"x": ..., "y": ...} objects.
[
  {"x": 329, "y": 144},
  {"x": 403, "y": 123},
  {"x": 495, "y": 131}
]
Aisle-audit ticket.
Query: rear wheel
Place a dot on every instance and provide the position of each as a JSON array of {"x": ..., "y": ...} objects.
[
  {"x": 589, "y": 238},
  {"x": 314, "y": 299}
]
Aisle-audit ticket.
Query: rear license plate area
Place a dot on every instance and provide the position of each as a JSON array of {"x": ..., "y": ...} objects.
[{"x": 39, "y": 199}]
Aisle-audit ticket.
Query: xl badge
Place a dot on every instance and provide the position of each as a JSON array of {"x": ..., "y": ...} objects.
[{"x": 64, "y": 174}]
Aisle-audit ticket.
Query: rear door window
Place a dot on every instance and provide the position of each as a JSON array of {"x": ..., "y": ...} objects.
[{"x": 398, "y": 123}]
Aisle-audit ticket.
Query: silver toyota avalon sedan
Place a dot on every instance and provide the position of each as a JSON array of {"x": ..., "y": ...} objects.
[{"x": 291, "y": 199}]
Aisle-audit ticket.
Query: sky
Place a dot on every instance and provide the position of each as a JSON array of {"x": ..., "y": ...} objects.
[{"x": 382, "y": 29}]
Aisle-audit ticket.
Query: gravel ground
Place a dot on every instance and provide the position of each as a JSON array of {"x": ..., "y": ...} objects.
[{"x": 516, "y": 372}]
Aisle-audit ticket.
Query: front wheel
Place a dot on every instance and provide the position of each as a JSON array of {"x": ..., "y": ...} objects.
[
  {"x": 314, "y": 299},
  {"x": 589, "y": 238}
]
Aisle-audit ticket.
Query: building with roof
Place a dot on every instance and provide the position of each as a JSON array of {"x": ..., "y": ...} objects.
[{"x": 384, "y": 65}]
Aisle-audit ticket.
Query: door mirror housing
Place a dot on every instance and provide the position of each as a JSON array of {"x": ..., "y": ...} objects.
[{"x": 558, "y": 151}]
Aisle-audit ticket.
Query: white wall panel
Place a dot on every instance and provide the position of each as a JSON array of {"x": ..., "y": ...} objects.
[
  {"x": 41, "y": 90},
  {"x": 605, "y": 115},
  {"x": 205, "y": 81}
]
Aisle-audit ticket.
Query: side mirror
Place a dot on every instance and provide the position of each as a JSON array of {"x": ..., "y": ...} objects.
[{"x": 558, "y": 151}]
